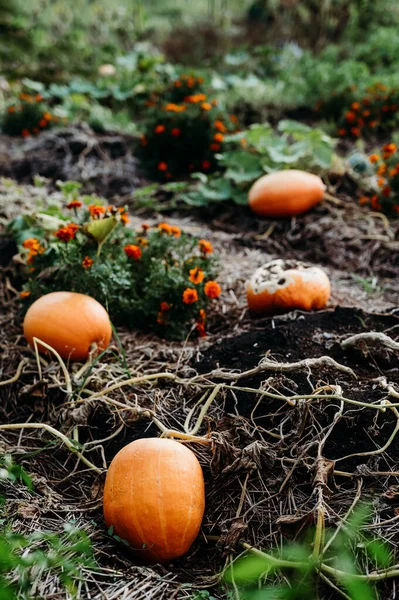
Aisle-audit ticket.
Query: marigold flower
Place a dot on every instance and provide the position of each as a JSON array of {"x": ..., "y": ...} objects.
[
  {"x": 132, "y": 251},
  {"x": 24, "y": 294},
  {"x": 125, "y": 218},
  {"x": 175, "y": 132},
  {"x": 386, "y": 191},
  {"x": 25, "y": 133},
  {"x": 178, "y": 83},
  {"x": 143, "y": 140},
  {"x": 87, "y": 262},
  {"x": 214, "y": 147},
  {"x": 190, "y": 295},
  {"x": 175, "y": 230},
  {"x": 67, "y": 233},
  {"x": 201, "y": 316},
  {"x": 39, "y": 97},
  {"x": 206, "y": 164},
  {"x": 355, "y": 105},
  {"x": 35, "y": 130},
  {"x": 381, "y": 181},
  {"x": 162, "y": 166},
  {"x": 145, "y": 227},
  {"x": 47, "y": 116},
  {"x": 177, "y": 108},
  {"x": 355, "y": 131},
  {"x": 142, "y": 241},
  {"x": 394, "y": 107},
  {"x": 350, "y": 116},
  {"x": 218, "y": 137},
  {"x": 205, "y": 246},
  {"x": 342, "y": 132},
  {"x": 11, "y": 109},
  {"x": 374, "y": 158},
  {"x": 385, "y": 108},
  {"x": 382, "y": 169},
  {"x": 212, "y": 289},
  {"x": 396, "y": 208},
  {"x": 165, "y": 306},
  {"x": 220, "y": 126},
  {"x": 233, "y": 119},
  {"x": 366, "y": 113},
  {"x": 394, "y": 171},
  {"x": 96, "y": 210},
  {"x": 43, "y": 123},
  {"x": 74, "y": 204},
  {"x": 165, "y": 228},
  {"x": 389, "y": 149},
  {"x": 206, "y": 106},
  {"x": 360, "y": 122},
  {"x": 159, "y": 128},
  {"x": 31, "y": 243},
  {"x": 196, "y": 275},
  {"x": 161, "y": 318},
  {"x": 375, "y": 204},
  {"x": 363, "y": 200},
  {"x": 194, "y": 99},
  {"x": 201, "y": 329}
]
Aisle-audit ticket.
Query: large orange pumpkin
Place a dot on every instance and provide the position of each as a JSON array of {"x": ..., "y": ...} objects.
[
  {"x": 68, "y": 322},
  {"x": 154, "y": 498},
  {"x": 280, "y": 286},
  {"x": 285, "y": 193}
]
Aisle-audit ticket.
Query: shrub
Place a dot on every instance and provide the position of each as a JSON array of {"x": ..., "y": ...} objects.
[
  {"x": 27, "y": 117},
  {"x": 184, "y": 130},
  {"x": 384, "y": 186},
  {"x": 158, "y": 278}
]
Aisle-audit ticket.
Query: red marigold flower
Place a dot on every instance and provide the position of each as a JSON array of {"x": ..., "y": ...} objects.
[
  {"x": 43, "y": 123},
  {"x": 175, "y": 132},
  {"x": 205, "y": 246},
  {"x": 375, "y": 204},
  {"x": 389, "y": 149},
  {"x": 159, "y": 128},
  {"x": 201, "y": 329},
  {"x": 145, "y": 227},
  {"x": 355, "y": 131},
  {"x": 196, "y": 275},
  {"x": 214, "y": 147},
  {"x": 87, "y": 262},
  {"x": 143, "y": 140},
  {"x": 24, "y": 294},
  {"x": 386, "y": 191},
  {"x": 161, "y": 318},
  {"x": 162, "y": 166},
  {"x": 206, "y": 164},
  {"x": 342, "y": 132},
  {"x": 96, "y": 210},
  {"x": 190, "y": 295},
  {"x": 165, "y": 306},
  {"x": 218, "y": 137},
  {"x": 133, "y": 251},
  {"x": 67, "y": 233},
  {"x": 74, "y": 204},
  {"x": 25, "y": 133},
  {"x": 350, "y": 116},
  {"x": 212, "y": 289}
]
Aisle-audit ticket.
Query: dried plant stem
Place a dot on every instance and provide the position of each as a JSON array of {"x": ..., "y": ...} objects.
[
  {"x": 70, "y": 445},
  {"x": 68, "y": 382},
  {"x": 17, "y": 373},
  {"x": 346, "y": 517},
  {"x": 371, "y": 337}
]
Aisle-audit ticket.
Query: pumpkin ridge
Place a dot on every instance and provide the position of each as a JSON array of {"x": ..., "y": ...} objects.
[
  {"x": 188, "y": 521},
  {"x": 161, "y": 504},
  {"x": 135, "y": 523}
]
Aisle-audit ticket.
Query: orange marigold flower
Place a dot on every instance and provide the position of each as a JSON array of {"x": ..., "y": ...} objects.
[
  {"x": 373, "y": 123},
  {"x": 206, "y": 164},
  {"x": 175, "y": 107},
  {"x": 178, "y": 83},
  {"x": 25, "y": 133},
  {"x": 214, "y": 147},
  {"x": 74, "y": 204},
  {"x": 381, "y": 181},
  {"x": 350, "y": 116},
  {"x": 96, "y": 210},
  {"x": 366, "y": 113},
  {"x": 196, "y": 275},
  {"x": 374, "y": 158},
  {"x": 206, "y": 106},
  {"x": 243, "y": 142},
  {"x": 212, "y": 289},
  {"x": 87, "y": 262},
  {"x": 132, "y": 251},
  {"x": 382, "y": 169},
  {"x": 159, "y": 128},
  {"x": 218, "y": 137},
  {"x": 175, "y": 132},
  {"x": 47, "y": 116},
  {"x": 162, "y": 166},
  {"x": 355, "y": 131},
  {"x": 145, "y": 227},
  {"x": 43, "y": 123},
  {"x": 194, "y": 99},
  {"x": 67, "y": 233},
  {"x": 142, "y": 241},
  {"x": 200, "y": 80},
  {"x": 363, "y": 200},
  {"x": 396, "y": 208},
  {"x": 190, "y": 295},
  {"x": 165, "y": 306},
  {"x": 31, "y": 243},
  {"x": 11, "y": 109},
  {"x": 161, "y": 318},
  {"x": 375, "y": 204},
  {"x": 355, "y": 105},
  {"x": 389, "y": 149},
  {"x": 175, "y": 230},
  {"x": 342, "y": 132},
  {"x": 39, "y": 97},
  {"x": 165, "y": 228},
  {"x": 125, "y": 218},
  {"x": 233, "y": 119},
  {"x": 220, "y": 126},
  {"x": 214, "y": 102},
  {"x": 201, "y": 329},
  {"x": 24, "y": 294},
  {"x": 205, "y": 246},
  {"x": 201, "y": 316}
]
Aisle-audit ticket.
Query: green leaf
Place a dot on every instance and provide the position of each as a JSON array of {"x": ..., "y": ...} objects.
[
  {"x": 100, "y": 229},
  {"x": 248, "y": 569},
  {"x": 379, "y": 553},
  {"x": 291, "y": 127}
]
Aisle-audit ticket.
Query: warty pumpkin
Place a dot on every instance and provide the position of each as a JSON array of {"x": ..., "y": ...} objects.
[
  {"x": 285, "y": 193},
  {"x": 69, "y": 322},
  {"x": 280, "y": 286},
  {"x": 154, "y": 498}
]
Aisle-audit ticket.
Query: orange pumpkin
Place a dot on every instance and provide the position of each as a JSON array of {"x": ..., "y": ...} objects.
[
  {"x": 280, "y": 286},
  {"x": 285, "y": 193},
  {"x": 154, "y": 498},
  {"x": 68, "y": 322}
]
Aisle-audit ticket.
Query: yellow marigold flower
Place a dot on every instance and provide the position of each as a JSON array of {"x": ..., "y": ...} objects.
[
  {"x": 190, "y": 295},
  {"x": 142, "y": 241},
  {"x": 205, "y": 246},
  {"x": 212, "y": 289},
  {"x": 196, "y": 275},
  {"x": 87, "y": 262}
]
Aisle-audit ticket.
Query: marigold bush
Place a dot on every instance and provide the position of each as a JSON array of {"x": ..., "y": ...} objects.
[
  {"x": 183, "y": 131},
  {"x": 28, "y": 116},
  {"x": 158, "y": 278},
  {"x": 384, "y": 186}
]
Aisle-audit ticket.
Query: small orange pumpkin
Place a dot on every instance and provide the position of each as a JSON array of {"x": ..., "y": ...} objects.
[
  {"x": 154, "y": 498},
  {"x": 285, "y": 193},
  {"x": 68, "y": 322},
  {"x": 280, "y": 286}
]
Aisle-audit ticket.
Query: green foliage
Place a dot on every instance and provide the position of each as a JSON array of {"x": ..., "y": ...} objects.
[
  {"x": 159, "y": 278},
  {"x": 258, "y": 575},
  {"x": 12, "y": 471}
]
